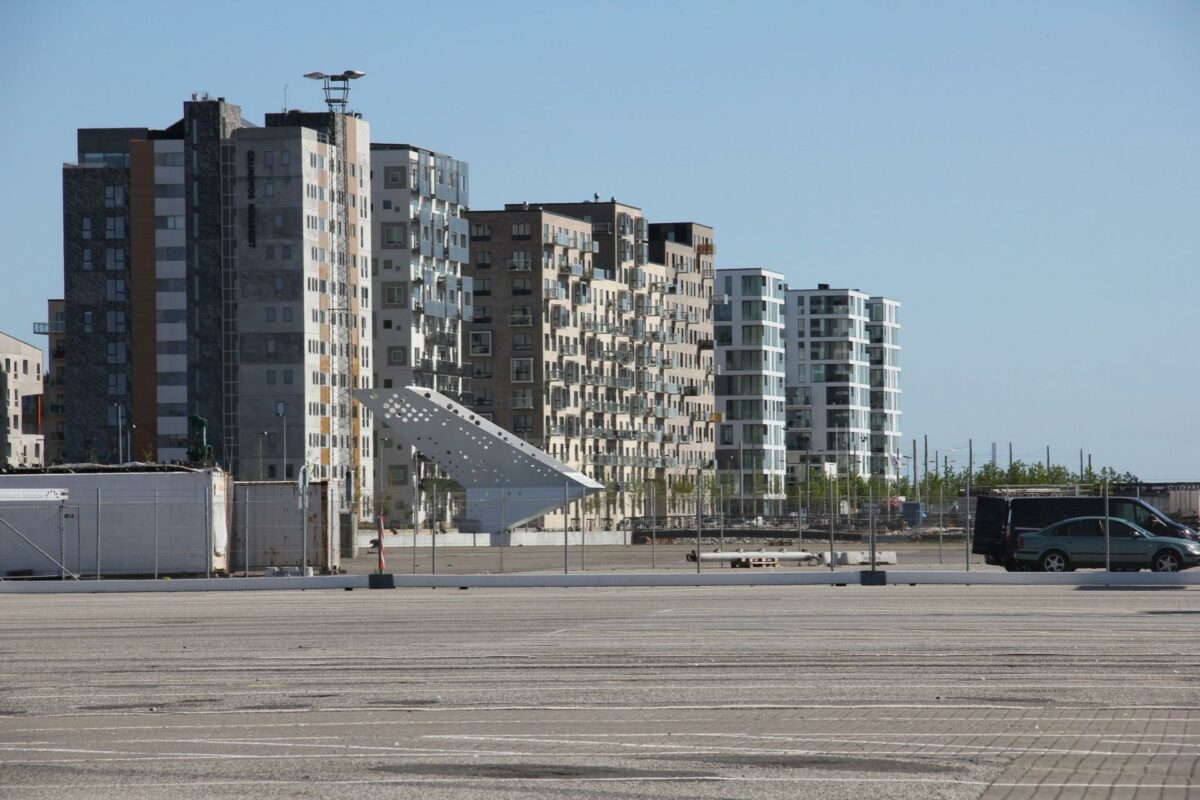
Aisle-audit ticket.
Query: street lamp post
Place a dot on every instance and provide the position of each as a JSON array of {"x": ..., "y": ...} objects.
[
  {"x": 281, "y": 412},
  {"x": 262, "y": 435}
]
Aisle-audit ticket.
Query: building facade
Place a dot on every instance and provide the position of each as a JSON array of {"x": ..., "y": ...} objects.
[
  {"x": 302, "y": 203},
  {"x": 843, "y": 387},
  {"x": 420, "y": 292},
  {"x": 750, "y": 390},
  {"x": 590, "y": 349},
  {"x": 21, "y": 441}
]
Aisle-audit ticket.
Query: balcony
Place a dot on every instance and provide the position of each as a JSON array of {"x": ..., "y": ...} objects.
[
  {"x": 520, "y": 320},
  {"x": 520, "y": 402},
  {"x": 46, "y": 328}
]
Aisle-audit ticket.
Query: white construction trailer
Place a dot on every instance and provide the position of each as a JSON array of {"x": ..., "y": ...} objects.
[{"x": 115, "y": 521}]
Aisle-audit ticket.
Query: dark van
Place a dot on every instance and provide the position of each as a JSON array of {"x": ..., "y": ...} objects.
[{"x": 999, "y": 520}]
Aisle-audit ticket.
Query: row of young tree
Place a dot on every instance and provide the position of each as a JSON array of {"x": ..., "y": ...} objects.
[{"x": 658, "y": 496}]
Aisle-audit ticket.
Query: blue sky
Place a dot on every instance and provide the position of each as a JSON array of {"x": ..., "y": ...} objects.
[{"x": 1023, "y": 176}]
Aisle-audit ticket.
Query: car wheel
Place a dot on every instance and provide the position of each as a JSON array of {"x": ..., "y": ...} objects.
[
  {"x": 1055, "y": 561},
  {"x": 1165, "y": 561}
]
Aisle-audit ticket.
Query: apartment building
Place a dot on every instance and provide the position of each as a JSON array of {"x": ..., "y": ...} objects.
[
  {"x": 146, "y": 250},
  {"x": 750, "y": 390},
  {"x": 843, "y": 396},
  {"x": 883, "y": 352},
  {"x": 53, "y": 384},
  {"x": 21, "y": 439},
  {"x": 217, "y": 292},
  {"x": 589, "y": 348},
  {"x": 302, "y": 202},
  {"x": 421, "y": 294}
]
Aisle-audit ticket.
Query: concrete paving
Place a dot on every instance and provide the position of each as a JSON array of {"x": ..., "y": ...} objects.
[{"x": 758, "y": 692}]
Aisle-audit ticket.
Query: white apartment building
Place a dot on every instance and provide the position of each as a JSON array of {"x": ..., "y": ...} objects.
[
  {"x": 831, "y": 406},
  {"x": 748, "y": 328},
  {"x": 420, "y": 294},
  {"x": 21, "y": 440}
]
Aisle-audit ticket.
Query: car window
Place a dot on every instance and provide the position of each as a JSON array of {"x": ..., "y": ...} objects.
[
  {"x": 1121, "y": 529},
  {"x": 1077, "y": 527}
]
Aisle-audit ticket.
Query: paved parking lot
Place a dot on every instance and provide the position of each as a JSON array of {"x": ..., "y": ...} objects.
[{"x": 760, "y": 692}]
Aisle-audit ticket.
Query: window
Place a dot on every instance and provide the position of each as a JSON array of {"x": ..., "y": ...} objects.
[
  {"x": 522, "y": 341},
  {"x": 116, "y": 383},
  {"x": 85, "y": 228},
  {"x": 483, "y": 287},
  {"x": 395, "y": 235},
  {"x": 398, "y": 356},
  {"x": 287, "y": 314},
  {"x": 114, "y": 227},
  {"x": 114, "y": 321},
  {"x": 87, "y": 322},
  {"x": 522, "y": 424},
  {"x": 519, "y": 286},
  {"x": 481, "y": 231},
  {"x": 114, "y": 196},
  {"x": 116, "y": 353},
  {"x": 481, "y": 343},
  {"x": 87, "y": 258},
  {"x": 394, "y": 178},
  {"x": 285, "y": 250},
  {"x": 288, "y": 376},
  {"x": 482, "y": 314},
  {"x": 521, "y": 261},
  {"x": 481, "y": 369},
  {"x": 285, "y": 157},
  {"x": 484, "y": 396},
  {"x": 114, "y": 290},
  {"x": 270, "y": 377},
  {"x": 521, "y": 370},
  {"x": 398, "y": 475},
  {"x": 520, "y": 231},
  {"x": 114, "y": 258},
  {"x": 483, "y": 259},
  {"x": 395, "y": 295}
]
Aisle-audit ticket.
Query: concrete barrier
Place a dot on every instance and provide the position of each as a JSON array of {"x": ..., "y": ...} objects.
[{"x": 598, "y": 580}]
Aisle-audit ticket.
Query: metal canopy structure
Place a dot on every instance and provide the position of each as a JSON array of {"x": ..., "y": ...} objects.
[{"x": 507, "y": 480}]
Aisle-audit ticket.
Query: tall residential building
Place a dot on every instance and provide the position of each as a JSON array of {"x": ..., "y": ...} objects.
[
  {"x": 420, "y": 294},
  {"x": 749, "y": 330},
  {"x": 883, "y": 350},
  {"x": 590, "y": 349},
  {"x": 302, "y": 200},
  {"x": 54, "y": 391},
  {"x": 843, "y": 406},
  {"x": 216, "y": 272},
  {"x": 21, "y": 382},
  {"x": 147, "y": 268},
  {"x": 829, "y": 381}
]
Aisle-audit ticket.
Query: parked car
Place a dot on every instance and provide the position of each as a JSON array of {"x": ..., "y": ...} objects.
[
  {"x": 1080, "y": 542},
  {"x": 1000, "y": 520}
]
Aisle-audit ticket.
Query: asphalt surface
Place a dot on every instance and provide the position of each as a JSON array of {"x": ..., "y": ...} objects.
[{"x": 757, "y": 692}]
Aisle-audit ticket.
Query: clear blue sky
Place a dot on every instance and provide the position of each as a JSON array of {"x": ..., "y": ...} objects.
[{"x": 1023, "y": 176}]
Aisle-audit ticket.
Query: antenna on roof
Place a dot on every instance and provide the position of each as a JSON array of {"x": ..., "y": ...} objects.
[{"x": 285, "y": 98}]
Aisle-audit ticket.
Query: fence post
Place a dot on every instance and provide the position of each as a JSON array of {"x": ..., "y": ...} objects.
[
  {"x": 156, "y": 534},
  {"x": 97, "y": 533},
  {"x": 566, "y": 538}
]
